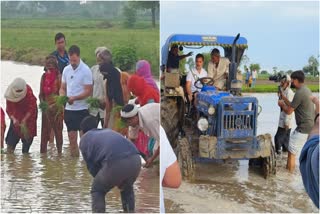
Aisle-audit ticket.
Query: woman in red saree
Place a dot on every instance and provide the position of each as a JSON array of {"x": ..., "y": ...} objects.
[
  {"x": 22, "y": 111},
  {"x": 52, "y": 118}
]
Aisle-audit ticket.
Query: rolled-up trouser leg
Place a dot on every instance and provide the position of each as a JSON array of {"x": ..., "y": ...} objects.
[
  {"x": 26, "y": 143},
  {"x": 127, "y": 199}
]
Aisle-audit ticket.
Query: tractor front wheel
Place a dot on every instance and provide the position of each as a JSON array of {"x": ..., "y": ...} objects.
[{"x": 185, "y": 159}]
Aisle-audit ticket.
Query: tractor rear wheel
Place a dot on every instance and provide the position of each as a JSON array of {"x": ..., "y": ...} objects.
[
  {"x": 171, "y": 118},
  {"x": 185, "y": 159}
]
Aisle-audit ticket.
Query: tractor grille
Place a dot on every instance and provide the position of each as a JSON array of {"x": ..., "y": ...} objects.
[
  {"x": 237, "y": 122},
  {"x": 237, "y": 116}
]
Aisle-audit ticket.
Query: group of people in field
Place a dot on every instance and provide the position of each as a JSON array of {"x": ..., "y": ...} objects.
[
  {"x": 126, "y": 105},
  {"x": 251, "y": 78}
]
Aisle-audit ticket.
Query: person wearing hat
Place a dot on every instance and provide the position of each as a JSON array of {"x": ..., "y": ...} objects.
[
  {"x": 147, "y": 118},
  {"x": 112, "y": 160},
  {"x": 174, "y": 58},
  {"x": 22, "y": 111},
  {"x": 281, "y": 139}
]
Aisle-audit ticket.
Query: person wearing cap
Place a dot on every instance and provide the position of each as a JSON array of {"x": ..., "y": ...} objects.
[
  {"x": 147, "y": 118},
  {"x": 174, "y": 58},
  {"x": 23, "y": 112},
  {"x": 218, "y": 69},
  {"x": 303, "y": 109},
  {"x": 281, "y": 139},
  {"x": 113, "y": 161}
]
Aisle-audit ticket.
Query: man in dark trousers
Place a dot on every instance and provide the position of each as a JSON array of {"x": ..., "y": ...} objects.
[{"x": 112, "y": 160}]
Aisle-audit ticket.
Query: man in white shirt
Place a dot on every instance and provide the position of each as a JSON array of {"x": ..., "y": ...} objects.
[
  {"x": 254, "y": 78},
  {"x": 76, "y": 84},
  {"x": 193, "y": 75},
  {"x": 103, "y": 55},
  {"x": 281, "y": 139},
  {"x": 147, "y": 118},
  {"x": 170, "y": 175},
  {"x": 218, "y": 69}
]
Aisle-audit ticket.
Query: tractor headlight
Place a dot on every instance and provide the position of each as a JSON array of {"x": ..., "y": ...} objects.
[
  {"x": 211, "y": 110},
  {"x": 203, "y": 124}
]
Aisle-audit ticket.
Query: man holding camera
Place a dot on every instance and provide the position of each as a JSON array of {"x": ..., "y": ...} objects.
[
  {"x": 303, "y": 108},
  {"x": 282, "y": 136}
]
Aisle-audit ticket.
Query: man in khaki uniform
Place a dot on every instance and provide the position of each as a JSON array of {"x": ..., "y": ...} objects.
[{"x": 218, "y": 69}]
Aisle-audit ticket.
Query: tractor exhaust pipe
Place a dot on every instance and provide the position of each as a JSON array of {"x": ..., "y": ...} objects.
[{"x": 233, "y": 65}]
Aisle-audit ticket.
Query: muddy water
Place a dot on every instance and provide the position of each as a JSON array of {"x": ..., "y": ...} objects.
[
  {"x": 233, "y": 187},
  {"x": 52, "y": 183}
]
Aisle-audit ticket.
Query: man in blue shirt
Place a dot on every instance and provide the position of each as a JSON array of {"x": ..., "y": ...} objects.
[
  {"x": 247, "y": 77},
  {"x": 112, "y": 160},
  {"x": 60, "y": 53}
]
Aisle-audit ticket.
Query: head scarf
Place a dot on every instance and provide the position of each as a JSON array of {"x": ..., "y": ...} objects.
[
  {"x": 143, "y": 70},
  {"x": 128, "y": 114},
  {"x": 17, "y": 90},
  {"x": 114, "y": 89},
  {"x": 145, "y": 93}
]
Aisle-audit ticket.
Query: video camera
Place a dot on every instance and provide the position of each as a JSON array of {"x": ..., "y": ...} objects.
[{"x": 275, "y": 78}]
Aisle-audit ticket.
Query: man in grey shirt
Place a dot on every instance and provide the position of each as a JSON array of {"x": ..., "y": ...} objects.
[
  {"x": 303, "y": 108},
  {"x": 113, "y": 161}
]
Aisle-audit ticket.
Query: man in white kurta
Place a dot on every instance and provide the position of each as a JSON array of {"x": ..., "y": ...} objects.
[{"x": 218, "y": 69}]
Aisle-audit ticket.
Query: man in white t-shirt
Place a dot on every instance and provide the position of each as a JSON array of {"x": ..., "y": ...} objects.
[
  {"x": 76, "y": 84},
  {"x": 193, "y": 75},
  {"x": 170, "y": 175},
  {"x": 218, "y": 69},
  {"x": 254, "y": 77}
]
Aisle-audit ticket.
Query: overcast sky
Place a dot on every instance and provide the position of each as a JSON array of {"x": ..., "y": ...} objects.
[{"x": 282, "y": 34}]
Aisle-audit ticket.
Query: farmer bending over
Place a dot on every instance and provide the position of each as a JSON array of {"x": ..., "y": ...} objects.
[{"x": 112, "y": 160}]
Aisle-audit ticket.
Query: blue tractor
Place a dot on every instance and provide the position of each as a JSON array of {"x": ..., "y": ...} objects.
[{"x": 224, "y": 124}]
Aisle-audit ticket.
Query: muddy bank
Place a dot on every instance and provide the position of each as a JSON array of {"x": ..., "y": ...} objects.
[{"x": 31, "y": 56}]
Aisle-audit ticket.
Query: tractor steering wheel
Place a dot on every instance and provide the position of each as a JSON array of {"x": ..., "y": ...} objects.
[{"x": 204, "y": 81}]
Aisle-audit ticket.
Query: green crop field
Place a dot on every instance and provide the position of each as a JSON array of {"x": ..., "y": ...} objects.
[
  {"x": 266, "y": 88},
  {"x": 30, "y": 40}
]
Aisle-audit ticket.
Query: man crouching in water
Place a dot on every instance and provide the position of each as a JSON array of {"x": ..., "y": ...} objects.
[{"x": 112, "y": 160}]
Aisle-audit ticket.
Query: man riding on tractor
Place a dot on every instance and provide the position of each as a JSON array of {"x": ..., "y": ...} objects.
[{"x": 224, "y": 123}]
